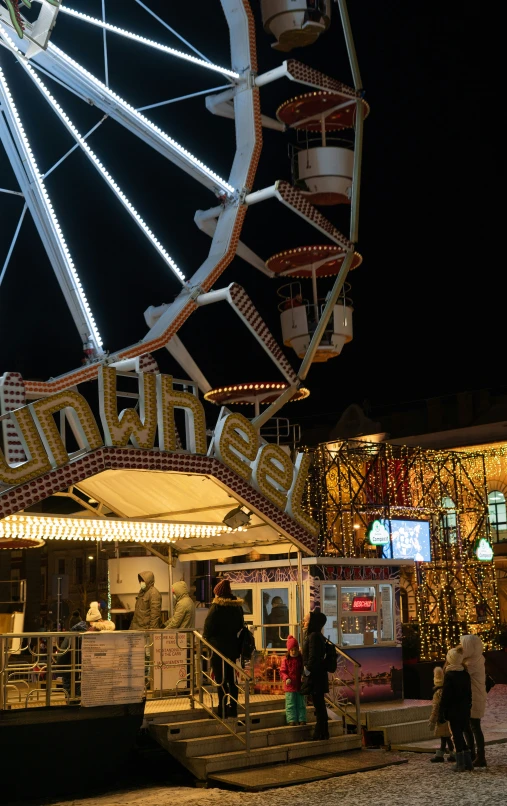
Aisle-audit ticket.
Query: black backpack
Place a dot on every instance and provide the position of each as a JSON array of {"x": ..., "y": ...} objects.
[
  {"x": 246, "y": 644},
  {"x": 330, "y": 657}
]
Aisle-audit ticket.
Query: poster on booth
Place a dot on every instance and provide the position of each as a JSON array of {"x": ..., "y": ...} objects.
[
  {"x": 169, "y": 660},
  {"x": 112, "y": 668}
]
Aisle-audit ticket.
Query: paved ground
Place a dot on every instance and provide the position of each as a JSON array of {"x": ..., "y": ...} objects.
[{"x": 418, "y": 783}]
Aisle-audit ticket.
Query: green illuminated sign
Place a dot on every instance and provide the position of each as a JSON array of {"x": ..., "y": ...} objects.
[
  {"x": 377, "y": 534},
  {"x": 484, "y": 551}
]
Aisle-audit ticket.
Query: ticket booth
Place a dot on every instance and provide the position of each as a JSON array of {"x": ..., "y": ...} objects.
[{"x": 360, "y": 598}]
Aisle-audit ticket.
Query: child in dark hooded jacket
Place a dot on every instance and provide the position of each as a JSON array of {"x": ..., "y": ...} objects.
[{"x": 291, "y": 672}]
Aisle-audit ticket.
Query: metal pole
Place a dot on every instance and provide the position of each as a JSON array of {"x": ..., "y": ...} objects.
[
  {"x": 349, "y": 40},
  {"x": 315, "y": 292},
  {"x": 300, "y": 592},
  {"x": 104, "y": 35},
  {"x": 247, "y": 713},
  {"x": 358, "y": 704},
  {"x": 58, "y": 602},
  {"x": 356, "y": 172},
  {"x": 259, "y": 421},
  {"x": 13, "y": 243},
  {"x": 326, "y": 315},
  {"x": 170, "y": 576}
]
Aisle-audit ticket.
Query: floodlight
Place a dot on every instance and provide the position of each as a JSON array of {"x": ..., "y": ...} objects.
[{"x": 237, "y": 518}]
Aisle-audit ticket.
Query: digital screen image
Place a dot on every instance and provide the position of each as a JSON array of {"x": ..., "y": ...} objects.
[{"x": 410, "y": 540}]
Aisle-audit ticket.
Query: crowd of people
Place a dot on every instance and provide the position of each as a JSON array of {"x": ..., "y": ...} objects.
[
  {"x": 459, "y": 693},
  {"x": 459, "y": 703}
]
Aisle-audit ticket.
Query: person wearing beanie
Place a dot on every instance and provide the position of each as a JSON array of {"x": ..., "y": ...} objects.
[
  {"x": 455, "y": 705},
  {"x": 473, "y": 659},
  {"x": 222, "y": 630},
  {"x": 95, "y": 621},
  {"x": 183, "y": 617},
  {"x": 291, "y": 672},
  {"x": 148, "y": 604},
  {"x": 315, "y": 672},
  {"x": 440, "y": 729}
]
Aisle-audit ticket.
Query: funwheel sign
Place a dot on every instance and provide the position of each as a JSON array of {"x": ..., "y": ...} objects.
[{"x": 235, "y": 442}]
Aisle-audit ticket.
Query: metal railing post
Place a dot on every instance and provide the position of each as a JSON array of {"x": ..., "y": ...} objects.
[
  {"x": 49, "y": 670},
  {"x": 192, "y": 671},
  {"x": 247, "y": 716},
  {"x": 357, "y": 700}
]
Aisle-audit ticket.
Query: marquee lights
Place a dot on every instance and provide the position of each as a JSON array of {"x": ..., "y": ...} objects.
[
  {"x": 150, "y": 42},
  {"x": 37, "y": 527},
  {"x": 98, "y": 165},
  {"x": 29, "y": 157},
  {"x": 198, "y": 164}
]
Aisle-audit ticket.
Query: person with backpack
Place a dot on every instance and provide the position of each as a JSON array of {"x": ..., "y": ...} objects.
[
  {"x": 291, "y": 672},
  {"x": 315, "y": 670}
]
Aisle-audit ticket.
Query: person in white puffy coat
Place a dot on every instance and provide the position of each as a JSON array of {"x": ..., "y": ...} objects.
[{"x": 473, "y": 660}]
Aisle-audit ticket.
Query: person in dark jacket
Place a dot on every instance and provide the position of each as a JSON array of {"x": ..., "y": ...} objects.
[
  {"x": 276, "y": 636},
  {"x": 148, "y": 604},
  {"x": 455, "y": 705},
  {"x": 222, "y": 627},
  {"x": 316, "y": 684}
]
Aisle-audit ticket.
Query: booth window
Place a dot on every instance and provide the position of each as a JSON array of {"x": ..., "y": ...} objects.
[
  {"x": 358, "y": 615},
  {"x": 497, "y": 515}
]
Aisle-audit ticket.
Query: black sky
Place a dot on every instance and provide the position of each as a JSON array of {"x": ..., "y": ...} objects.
[{"x": 428, "y": 304}]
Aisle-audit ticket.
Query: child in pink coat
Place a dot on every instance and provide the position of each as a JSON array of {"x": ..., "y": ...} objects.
[{"x": 291, "y": 672}]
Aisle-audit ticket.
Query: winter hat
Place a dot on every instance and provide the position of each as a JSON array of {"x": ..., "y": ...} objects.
[
  {"x": 438, "y": 676},
  {"x": 292, "y": 643},
  {"x": 316, "y": 621},
  {"x": 455, "y": 660},
  {"x": 94, "y": 612},
  {"x": 223, "y": 589}
]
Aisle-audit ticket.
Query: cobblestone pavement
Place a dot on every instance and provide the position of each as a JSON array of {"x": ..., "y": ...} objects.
[{"x": 418, "y": 783}]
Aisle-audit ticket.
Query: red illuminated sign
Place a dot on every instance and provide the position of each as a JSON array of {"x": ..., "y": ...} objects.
[{"x": 362, "y": 604}]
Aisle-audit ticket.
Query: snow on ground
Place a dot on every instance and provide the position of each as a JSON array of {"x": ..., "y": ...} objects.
[{"x": 417, "y": 783}]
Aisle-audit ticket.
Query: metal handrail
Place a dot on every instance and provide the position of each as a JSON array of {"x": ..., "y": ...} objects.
[
  {"x": 357, "y": 700},
  {"x": 246, "y": 690}
]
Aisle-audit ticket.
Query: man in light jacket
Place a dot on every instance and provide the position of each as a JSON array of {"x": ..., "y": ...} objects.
[
  {"x": 183, "y": 616},
  {"x": 148, "y": 604}
]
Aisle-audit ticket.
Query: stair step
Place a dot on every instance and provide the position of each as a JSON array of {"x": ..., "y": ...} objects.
[
  {"x": 227, "y": 742},
  {"x": 201, "y": 766},
  {"x": 406, "y": 732},
  {"x": 376, "y": 719},
  {"x": 199, "y": 728}
]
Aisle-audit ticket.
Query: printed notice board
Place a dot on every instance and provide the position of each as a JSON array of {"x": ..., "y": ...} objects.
[{"x": 112, "y": 670}]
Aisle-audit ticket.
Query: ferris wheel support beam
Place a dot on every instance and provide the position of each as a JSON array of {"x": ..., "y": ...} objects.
[
  {"x": 105, "y": 176},
  {"x": 13, "y": 243},
  {"x": 92, "y": 90},
  {"x": 37, "y": 200},
  {"x": 206, "y": 220}
]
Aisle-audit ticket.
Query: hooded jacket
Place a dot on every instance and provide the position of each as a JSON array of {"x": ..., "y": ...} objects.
[
  {"x": 223, "y": 624},
  {"x": 473, "y": 660},
  {"x": 148, "y": 605},
  {"x": 456, "y": 699},
  {"x": 183, "y": 616}
]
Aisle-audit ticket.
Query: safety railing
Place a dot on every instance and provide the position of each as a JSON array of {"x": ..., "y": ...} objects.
[
  {"x": 215, "y": 670},
  {"x": 346, "y": 679}
]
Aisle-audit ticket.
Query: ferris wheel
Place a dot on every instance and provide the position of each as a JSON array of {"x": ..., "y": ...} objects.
[{"x": 36, "y": 36}]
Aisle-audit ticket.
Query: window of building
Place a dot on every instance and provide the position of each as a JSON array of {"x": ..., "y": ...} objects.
[
  {"x": 449, "y": 520},
  {"x": 78, "y": 571},
  {"x": 497, "y": 515},
  {"x": 358, "y": 615},
  {"x": 61, "y": 566}
]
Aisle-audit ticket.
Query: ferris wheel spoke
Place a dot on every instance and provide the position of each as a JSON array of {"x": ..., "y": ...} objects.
[
  {"x": 92, "y": 89},
  {"x": 176, "y": 34},
  {"x": 38, "y": 202},
  {"x": 74, "y": 148},
  {"x": 142, "y": 40},
  {"x": 182, "y": 98},
  {"x": 12, "y": 192},
  {"x": 13, "y": 242},
  {"x": 104, "y": 40},
  {"x": 99, "y": 167}
]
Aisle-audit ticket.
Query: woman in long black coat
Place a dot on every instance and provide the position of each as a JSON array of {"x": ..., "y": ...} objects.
[
  {"x": 222, "y": 627},
  {"x": 316, "y": 683}
]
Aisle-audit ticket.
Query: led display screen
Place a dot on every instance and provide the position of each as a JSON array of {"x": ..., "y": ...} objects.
[{"x": 410, "y": 540}]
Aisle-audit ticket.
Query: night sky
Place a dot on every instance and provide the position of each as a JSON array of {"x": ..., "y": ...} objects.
[{"x": 428, "y": 310}]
